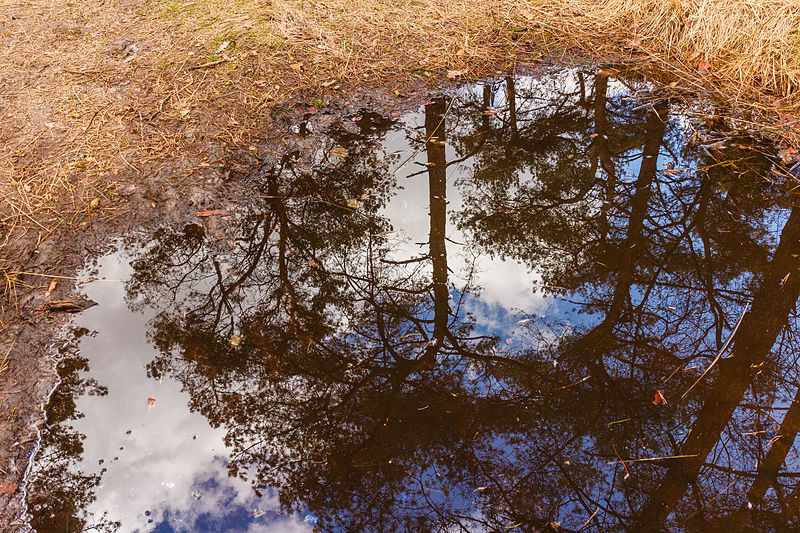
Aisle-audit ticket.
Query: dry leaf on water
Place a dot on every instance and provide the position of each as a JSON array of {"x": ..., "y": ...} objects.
[
  {"x": 235, "y": 341},
  {"x": 659, "y": 398}
]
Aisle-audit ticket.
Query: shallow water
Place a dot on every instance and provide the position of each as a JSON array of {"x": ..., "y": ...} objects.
[{"x": 493, "y": 314}]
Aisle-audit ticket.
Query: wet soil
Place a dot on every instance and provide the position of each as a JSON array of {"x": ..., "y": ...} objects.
[{"x": 490, "y": 310}]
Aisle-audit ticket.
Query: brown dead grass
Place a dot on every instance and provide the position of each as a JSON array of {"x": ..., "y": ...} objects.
[{"x": 97, "y": 97}]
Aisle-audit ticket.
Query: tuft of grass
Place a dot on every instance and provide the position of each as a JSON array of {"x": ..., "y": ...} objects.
[{"x": 749, "y": 45}]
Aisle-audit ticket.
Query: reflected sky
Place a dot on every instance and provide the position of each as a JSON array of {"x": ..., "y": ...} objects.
[
  {"x": 495, "y": 313},
  {"x": 162, "y": 467}
]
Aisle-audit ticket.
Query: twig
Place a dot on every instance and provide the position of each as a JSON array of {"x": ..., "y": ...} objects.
[
  {"x": 724, "y": 347},
  {"x": 590, "y": 518},
  {"x": 66, "y": 277},
  {"x": 627, "y": 474},
  {"x": 89, "y": 125},
  {"x": 652, "y": 459}
]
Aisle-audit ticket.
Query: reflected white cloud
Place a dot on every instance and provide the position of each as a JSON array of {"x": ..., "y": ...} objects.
[
  {"x": 500, "y": 282},
  {"x": 163, "y": 466}
]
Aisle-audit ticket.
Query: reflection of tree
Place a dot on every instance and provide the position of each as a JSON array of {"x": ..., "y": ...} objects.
[
  {"x": 357, "y": 382},
  {"x": 57, "y": 495},
  {"x": 364, "y": 365},
  {"x": 657, "y": 266},
  {"x": 772, "y": 302}
]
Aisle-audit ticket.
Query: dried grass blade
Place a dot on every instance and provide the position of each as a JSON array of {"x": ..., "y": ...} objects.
[{"x": 722, "y": 351}]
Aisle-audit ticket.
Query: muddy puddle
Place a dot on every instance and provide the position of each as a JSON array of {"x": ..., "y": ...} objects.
[{"x": 536, "y": 304}]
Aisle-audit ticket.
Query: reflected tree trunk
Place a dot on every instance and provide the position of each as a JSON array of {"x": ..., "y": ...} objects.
[
  {"x": 511, "y": 97},
  {"x": 768, "y": 470},
  {"x": 286, "y": 287},
  {"x": 594, "y": 342},
  {"x": 599, "y": 150},
  {"x": 772, "y": 303},
  {"x": 634, "y": 242},
  {"x": 437, "y": 191}
]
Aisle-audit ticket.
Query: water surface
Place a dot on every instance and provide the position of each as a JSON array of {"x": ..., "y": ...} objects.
[{"x": 493, "y": 314}]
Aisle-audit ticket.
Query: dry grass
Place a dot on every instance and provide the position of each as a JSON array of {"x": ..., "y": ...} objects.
[
  {"x": 98, "y": 96},
  {"x": 747, "y": 44}
]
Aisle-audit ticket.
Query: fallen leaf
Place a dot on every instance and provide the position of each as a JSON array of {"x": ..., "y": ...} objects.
[
  {"x": 212, "y": 212},
  {"x": 453, "y": 74},
  {"x": 297, "y": 67},
  {"x": 659, "y": 398},
  {"x": 8, "y": 487},
  {"x": 312, "y": 263},
  {"x": 223, "y": 46},
  {"x": 50, "y": 289},
  {"x": 703, "y": 67},
  {"x": 150, "y": 403},
  {"x": 95, "y": 203}
]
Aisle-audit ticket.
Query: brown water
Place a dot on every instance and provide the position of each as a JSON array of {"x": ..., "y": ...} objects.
[{"x": 493, "y": 314}]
